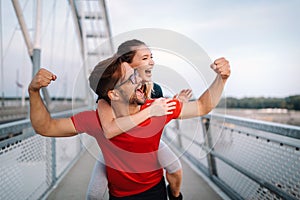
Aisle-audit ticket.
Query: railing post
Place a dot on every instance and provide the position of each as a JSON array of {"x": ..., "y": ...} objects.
[
  {"x": 53, "y": 166},
  {"x": 178, "y": 134},
  {"x": 212, "y": 167}
]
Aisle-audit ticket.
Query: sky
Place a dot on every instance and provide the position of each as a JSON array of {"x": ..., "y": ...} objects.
[{"x": 260, "y": 38}]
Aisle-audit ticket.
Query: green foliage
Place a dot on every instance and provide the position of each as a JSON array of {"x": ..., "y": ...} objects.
[{"x": 291, "y": 103}]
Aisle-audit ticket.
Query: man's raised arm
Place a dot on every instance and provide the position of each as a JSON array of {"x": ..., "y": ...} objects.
[
  {"x": 211, "y": 97},
  {"x": 40, "y": 118}
]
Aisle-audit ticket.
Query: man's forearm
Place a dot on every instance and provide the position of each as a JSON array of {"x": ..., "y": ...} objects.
[
  {"x": 211, "y": 97},
  {"x": 39, "y": 115}
]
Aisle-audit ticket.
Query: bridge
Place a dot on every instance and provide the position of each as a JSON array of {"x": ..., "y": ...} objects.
[
  {"x": 226, "y": 157},
  {"x": 223, "y": 157}
]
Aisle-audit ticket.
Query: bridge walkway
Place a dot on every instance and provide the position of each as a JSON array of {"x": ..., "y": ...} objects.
[{"x": 74, "y": 184}]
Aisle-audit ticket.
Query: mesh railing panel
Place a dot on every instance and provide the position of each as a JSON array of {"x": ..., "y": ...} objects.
[
  {"x": 27, "y": 167},
  {"x": 188, "y": 135},
  {"x": 245, "y": 187},
  {"x": 23, "y": 169},
  {"x": 247, "y": 163},
  {"x": 65, "y": 152},
  {"x": 275, "y": 162}
]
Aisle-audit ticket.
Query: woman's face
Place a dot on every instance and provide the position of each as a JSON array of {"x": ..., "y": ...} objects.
[{"x": 142, "y": 61}]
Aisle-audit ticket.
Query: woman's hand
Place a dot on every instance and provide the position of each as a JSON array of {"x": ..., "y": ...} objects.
[
  {"x": 162, "y": 107},
  {"x": 184, "y": 95}
]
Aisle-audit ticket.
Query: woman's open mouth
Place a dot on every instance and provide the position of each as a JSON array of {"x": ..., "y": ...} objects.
[{"x": 148, "y": 72}]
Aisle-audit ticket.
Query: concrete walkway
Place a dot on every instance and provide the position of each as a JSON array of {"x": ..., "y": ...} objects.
[{"x": 74, "y": 184}]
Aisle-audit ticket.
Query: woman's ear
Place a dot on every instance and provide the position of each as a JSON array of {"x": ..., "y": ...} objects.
[{"x": 113, "y": 95}]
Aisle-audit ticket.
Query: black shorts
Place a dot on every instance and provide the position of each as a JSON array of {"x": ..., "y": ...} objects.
[{"x": 157, "y": 192}]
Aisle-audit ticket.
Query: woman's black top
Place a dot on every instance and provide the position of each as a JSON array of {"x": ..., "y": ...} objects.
[{"x": 156, "y": 92}]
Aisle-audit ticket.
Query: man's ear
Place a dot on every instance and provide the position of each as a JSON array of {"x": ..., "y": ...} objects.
[{"x": 113, "y": 95}]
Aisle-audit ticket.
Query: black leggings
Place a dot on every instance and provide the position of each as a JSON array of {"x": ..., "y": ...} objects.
[{"x": 157, "y": 192}]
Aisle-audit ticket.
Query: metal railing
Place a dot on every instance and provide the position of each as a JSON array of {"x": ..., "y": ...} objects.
[
  {"x": 32, "y": 164},
  {"x": 247, "y": 159}
]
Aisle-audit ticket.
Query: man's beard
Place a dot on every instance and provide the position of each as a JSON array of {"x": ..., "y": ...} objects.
[{"x": 139, "y": 101}]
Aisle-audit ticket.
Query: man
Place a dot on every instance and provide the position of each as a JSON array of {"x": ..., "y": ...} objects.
[{"x": 132, "y": 168}]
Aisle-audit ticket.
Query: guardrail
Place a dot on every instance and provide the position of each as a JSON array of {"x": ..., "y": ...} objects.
[
  {"x": 247, "y": 159},
  {"x": 32, "y": 164}
]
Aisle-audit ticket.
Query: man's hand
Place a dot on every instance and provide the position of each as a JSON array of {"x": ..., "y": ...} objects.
[
  {"x": 221, "y": 66},
  {"x": 184, "y": 95},
  {"x": 42, "y": 79},
  {"x": 162, "y": 107}
]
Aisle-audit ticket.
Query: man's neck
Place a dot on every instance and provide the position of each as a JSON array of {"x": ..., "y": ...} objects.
[{"x": 125, "y": 109}]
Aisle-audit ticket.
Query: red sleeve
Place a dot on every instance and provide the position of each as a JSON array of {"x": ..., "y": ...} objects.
[
  {"x": 87, "y": 122},
  {"x": 176, "y": 112}
]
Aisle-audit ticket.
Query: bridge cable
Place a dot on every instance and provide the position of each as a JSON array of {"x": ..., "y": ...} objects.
[
  {"x": 1, "y": 57},
  {"x": 51, "y": 19},
  {"x": 64, "y": 51},
  {"x": 52, "y": 39},
  {"x": 13, "y": 35}
]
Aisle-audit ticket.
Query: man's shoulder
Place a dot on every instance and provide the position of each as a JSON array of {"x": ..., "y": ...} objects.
[
  {"x": 86, "y": 119},
  {"x": 148, "y": 102},
  {"x": 89, "y": 113}
]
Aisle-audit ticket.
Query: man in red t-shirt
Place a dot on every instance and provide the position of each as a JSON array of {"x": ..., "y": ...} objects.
[{"x": 131, "y": 158}]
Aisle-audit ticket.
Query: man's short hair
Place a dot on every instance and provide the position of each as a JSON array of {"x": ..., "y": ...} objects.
[{"x": 105, "y": 76}]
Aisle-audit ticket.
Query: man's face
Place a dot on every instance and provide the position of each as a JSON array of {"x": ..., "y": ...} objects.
[{"x": 131, "y": 87}]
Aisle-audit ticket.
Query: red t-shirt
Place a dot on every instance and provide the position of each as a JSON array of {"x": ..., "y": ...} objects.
[{"x": 131, "y": 158}]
